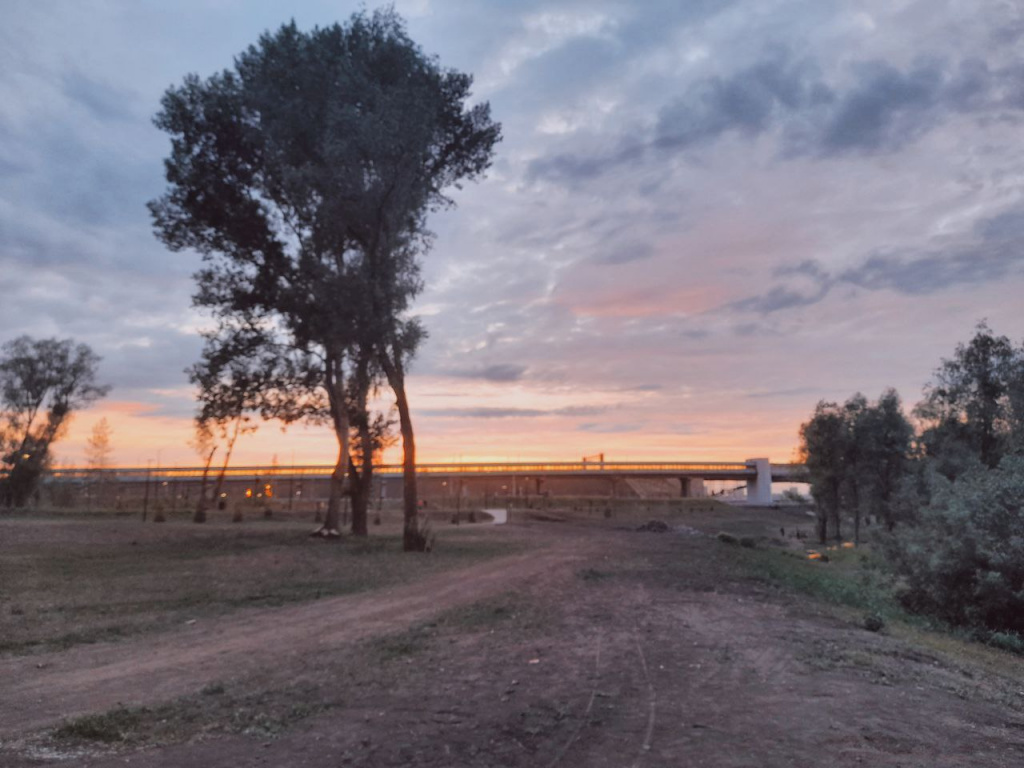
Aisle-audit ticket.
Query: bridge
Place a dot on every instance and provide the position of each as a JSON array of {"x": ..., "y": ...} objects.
[{"x": 757, "y": 474}]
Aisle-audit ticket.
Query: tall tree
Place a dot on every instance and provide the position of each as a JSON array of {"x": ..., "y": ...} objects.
[
  {"x": 304, "y": 176},
  {"x": 42, "y": 383}
]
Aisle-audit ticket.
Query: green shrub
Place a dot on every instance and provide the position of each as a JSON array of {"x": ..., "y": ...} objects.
[{"x": 963, "y": 560}]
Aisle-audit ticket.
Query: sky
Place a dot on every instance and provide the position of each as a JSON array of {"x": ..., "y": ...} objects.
[{"x": 704, "y": 217}]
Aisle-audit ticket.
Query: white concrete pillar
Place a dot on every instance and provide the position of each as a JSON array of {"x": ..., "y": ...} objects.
[{"x": 759, "y": 488}]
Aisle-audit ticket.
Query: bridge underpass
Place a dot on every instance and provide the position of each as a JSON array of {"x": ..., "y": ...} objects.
[{"x": 492, "y": 480}]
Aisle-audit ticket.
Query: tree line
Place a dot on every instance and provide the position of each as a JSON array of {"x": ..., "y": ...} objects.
[{"x": 945, "y": 487}]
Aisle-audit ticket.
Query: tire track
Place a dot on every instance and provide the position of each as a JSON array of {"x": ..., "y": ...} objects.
[{"x": 586, "y": 712}]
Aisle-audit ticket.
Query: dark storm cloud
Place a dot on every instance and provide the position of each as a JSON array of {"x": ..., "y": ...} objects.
[
  {"x": 880, "y": 109},
  {"x": 992, "y": 253}
]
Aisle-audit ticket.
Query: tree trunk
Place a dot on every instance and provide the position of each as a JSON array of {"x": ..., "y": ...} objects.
[
  {"x": 331, "y": 527},
  {"x": 200, "y": 513},
  {"x": 360, "y": 472},
  {"x": 360, "y": 482},
  {"x": 229, "y": 449},
  {"x": 412, "y": 539}
]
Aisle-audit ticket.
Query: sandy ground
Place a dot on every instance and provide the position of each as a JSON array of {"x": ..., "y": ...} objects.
[{"x": 626, "y": 649}]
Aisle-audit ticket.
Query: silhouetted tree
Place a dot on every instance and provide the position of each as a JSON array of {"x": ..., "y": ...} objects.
[
  {"x": 42, "y": 383},
  {"x": 304, "y": 176}
]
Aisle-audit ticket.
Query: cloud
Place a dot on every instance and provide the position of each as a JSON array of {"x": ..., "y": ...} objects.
[
  {"x": 102, "y": 100},
  {"x": 780, "y": 298},
  {"x": 748, "y": 103},
  {"x": 500, "y": 373},
  {"x": 483, "y": 413},
  {"x": 875, "y": 107},
  {"x": 992, "y": 252},
  {"x": 607, "y": 428},
  {"x": 508, "y": 413}
]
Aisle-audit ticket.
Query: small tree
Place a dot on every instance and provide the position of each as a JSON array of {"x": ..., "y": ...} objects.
[
  {"x": 98, "y": 452},
  {"x": 42, "y": 383}
]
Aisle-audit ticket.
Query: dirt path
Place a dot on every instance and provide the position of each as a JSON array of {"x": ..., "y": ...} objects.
[
  {"x": 41, "y": 690},
  {"x": 621, "y": 650}
]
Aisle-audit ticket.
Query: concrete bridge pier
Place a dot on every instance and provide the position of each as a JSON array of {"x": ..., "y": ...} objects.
[
  {"x": 759, "y": 488},
  {"x": 691, "y": 487}
]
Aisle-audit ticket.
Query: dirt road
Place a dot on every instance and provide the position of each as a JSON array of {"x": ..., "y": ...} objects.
[{"x": 619, "y": 649}]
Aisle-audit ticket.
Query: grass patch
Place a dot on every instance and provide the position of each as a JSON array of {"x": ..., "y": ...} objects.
[
  {"x": 847, "y": 580},
  {"x": 69, "y": 583},
  {"x": 114, "y": 725}
]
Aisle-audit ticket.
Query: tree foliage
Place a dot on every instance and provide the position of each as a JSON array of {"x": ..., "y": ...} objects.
[
  {"x": 856, "y": 455},
  {"x": 304, "y": 176},
  {"x": 42, "y": 383},
  {"x": 963, "y": 559},
  {"x": 973, "y": 410}
]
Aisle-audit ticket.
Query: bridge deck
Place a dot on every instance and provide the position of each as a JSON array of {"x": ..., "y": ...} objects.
[{"x": 706, "y": 470}]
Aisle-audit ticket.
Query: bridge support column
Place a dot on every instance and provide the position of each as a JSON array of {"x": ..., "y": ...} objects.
[
  {"x": 692, "y": 487},
  {"x": 759, "y": 488}
]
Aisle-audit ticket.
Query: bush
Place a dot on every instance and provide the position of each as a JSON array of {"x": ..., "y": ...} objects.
[{"x": 963, "y": 560}]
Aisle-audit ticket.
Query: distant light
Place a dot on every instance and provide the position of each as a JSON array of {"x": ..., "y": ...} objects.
[
  {"x": 26, "y": 456},
  {"x": 223, "y": 495}
]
